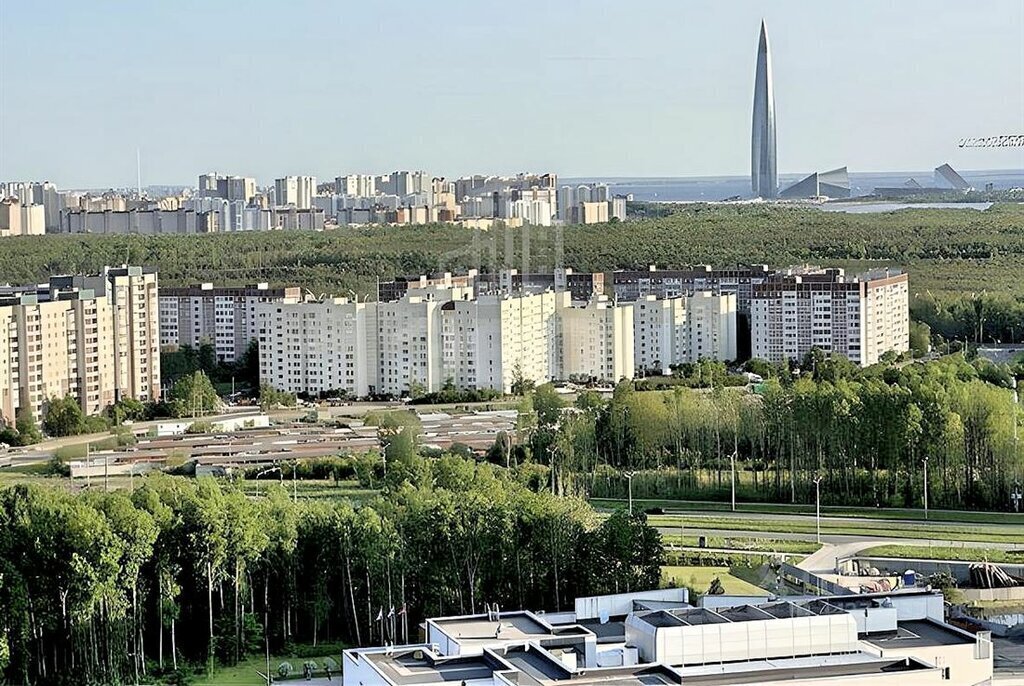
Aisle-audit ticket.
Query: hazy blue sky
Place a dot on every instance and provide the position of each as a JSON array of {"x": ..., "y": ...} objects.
[{"x": 583, "y": 88}]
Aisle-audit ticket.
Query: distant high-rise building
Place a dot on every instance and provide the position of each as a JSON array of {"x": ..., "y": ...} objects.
[{"x": 764, "y": 176}]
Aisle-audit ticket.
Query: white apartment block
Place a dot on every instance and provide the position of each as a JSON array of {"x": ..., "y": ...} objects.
[
  {"x": 93, "y": 337},
  {"x": 597, "y": 341},
  {"x": 486, "y": 342},
  {"x": 357, "y": 185},
  {"x": 409, "y": 340},
  {"x": 223, "y": 317},
  {"x": 318, "y": 346},
  {"x": 860, "y": 317},
  {"x": 670, "y": 331},
  {"x": 297, "y": 191}
]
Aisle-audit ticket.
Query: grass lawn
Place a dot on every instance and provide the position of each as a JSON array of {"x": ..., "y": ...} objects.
[
  {"x": 951, "y": 532},
  {"x": 946, "y": 553},
  {"x": 244, "y": 673},
  {"x": 762, "y": 545},
  {"x": 700, "y": 579},
  {"x": 934, "y": 515}
]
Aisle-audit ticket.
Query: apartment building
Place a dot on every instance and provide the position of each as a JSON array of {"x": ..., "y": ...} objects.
[
  {"x": 597, "y": 341},
  {"x": 409, "y": 348},
  {"x": 318, "y": 346},
  {"x": 670, "y": 331},
  {"x": 297, "y": 191},
  {"x": 861, "y": 317},
  {"x": 20, "y": 219},
  {"x": 224, "y": 317},
  {"x": 633, "y": 284},
  {"x": 489, "y": 341},
  {"x": 94, "y": 337}
]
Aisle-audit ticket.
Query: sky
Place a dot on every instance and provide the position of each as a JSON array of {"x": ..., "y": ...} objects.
[{"x": 578, "y": 87}]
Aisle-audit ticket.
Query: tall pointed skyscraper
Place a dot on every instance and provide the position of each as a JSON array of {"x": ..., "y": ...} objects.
[{"x": 764, "y": 176}]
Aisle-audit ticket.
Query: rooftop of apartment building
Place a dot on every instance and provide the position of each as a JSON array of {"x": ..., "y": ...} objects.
[
  {"x": 66, "y": 286},
  {"x": 208, "y": 289}
]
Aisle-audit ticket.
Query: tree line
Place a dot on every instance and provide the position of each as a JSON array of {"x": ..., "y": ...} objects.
[
  {"x": 866, "y": 433},
  {"x": 115, "y": 588}
]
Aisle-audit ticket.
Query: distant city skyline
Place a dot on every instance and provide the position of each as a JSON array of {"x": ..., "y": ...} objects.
[{"x": 583, "y": 89}]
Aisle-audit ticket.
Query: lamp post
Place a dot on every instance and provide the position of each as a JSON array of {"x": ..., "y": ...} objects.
[
  {"x": 926, "y": 488},
  {"x": 817, "y": 507},
  {"x": 629, "y": 481},
  {"x": 732, "y": 464},
  {"x": 271, "y": 470},
  {"x": 1016, "y": 496}
]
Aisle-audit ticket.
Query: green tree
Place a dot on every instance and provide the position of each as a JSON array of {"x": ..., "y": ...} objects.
[
  {"x": 193, "y": 395},
  {"x": 63, "y": 417},
  {"x": 920, "y": 338},
  {"x": 28, "y": 430}
]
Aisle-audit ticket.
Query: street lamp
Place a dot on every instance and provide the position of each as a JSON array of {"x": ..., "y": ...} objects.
[
  {"x": 732, "y": 464},
  {"x": 926, "y": 488},
  {"x": 629, "y": 481},
  {"x": 265, "y": 471},
  {"x": 817, "y": 507},
  {"x": 1016, "y": 496}
]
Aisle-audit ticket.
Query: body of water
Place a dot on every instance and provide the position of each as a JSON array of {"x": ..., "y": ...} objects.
[
  {"x": 873, "y": 207},
  {"x": 717, "y": 188}
]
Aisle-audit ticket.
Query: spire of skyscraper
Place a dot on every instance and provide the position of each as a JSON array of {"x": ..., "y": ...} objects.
[{"x": 764, "y": 177}]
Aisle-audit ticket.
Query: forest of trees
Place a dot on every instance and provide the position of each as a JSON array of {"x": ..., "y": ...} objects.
[
  {"x": 116, "y": 588},
  {"x": 950, "y": 254},
  {"x": 865, "y": 432}
]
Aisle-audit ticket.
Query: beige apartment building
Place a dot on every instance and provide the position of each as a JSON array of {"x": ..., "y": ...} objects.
[
  {"x": 93, "y": 337},
  {"x": 223, "y": 317},
  {"x": 597, "y": 341},
  {"x": 861, "y": 317}
]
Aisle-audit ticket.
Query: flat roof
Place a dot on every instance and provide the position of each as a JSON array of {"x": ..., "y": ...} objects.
[
  {"x": 418, "y": 666},
  {"x": 480, "y": 630},
  {"x": 918, "y": 634},
  {"x": 852, "y": 665},
  {"x": 538, "y": 669}
]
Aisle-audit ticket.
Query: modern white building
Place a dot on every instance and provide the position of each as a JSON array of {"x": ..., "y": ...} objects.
[
  {"x": 860, "y": 317},
  {"x": 657, "y": 637},
  {"x": 20, "y": 219},
  {"x": 318, "y": 346},
  {"x": 597, "y": 341},
  {"x": 489, "y": 341},
  {"x": 224, "y": 317},
  {"x": 670, "y": 331},
  {"x": 356, "y": 185},
  {"x": 409, "y": 348}
]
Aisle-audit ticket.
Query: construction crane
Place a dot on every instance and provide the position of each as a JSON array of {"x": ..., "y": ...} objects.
[{"x": 1009, "y": 141}]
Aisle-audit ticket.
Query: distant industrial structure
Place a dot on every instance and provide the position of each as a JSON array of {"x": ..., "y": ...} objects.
[
  {"x": 946, "y": 179},
  {"x": 829, "y": 184}
]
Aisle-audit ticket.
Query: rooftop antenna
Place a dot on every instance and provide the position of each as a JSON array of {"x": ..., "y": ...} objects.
[{"x": 138, "y": 171}]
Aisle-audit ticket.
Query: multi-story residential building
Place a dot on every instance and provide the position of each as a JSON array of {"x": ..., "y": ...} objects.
[
  {"x": 670, "y": 331},
  {"x": 860, "y": 317},
  {"x": 597, "y": 341},
  {"x": 19, "y": 219},
  {"x": 93, "y": 337},
  {"x": 356, "y": 185},
  {"x": 199, "y": 215},
  {"x": 223, "y": 317},
  {"x": 297, "y": 191},
  {"x": 214, "y": 185},
  {"x": 317, "y": 347},
  {"x": 409, "y": 340},
  {"x": 490, "y": 341},
  {"x": 633, "y": 284}
]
